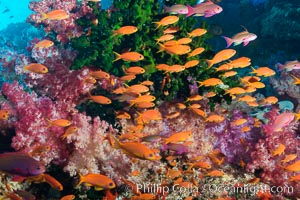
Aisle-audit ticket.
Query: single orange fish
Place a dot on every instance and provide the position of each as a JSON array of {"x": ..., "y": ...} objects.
[
  {"x": 44, "y": 44},
  {"x": 55, "y": 184},
  {"x": 99, "y": 181},
  {"x": 269, "y": 100},
  {"x": 247, "y": 98},
  {"x": 129, "y": 56},
  {"x": 179, "y": 137},
  {"x": 241, "y": 62},
  {"x": 171, "y": 43},
  {"x": 175, "y": 68},
  {"x": 147, "y": 83},
  {"x": 215, "y": 173},
  {"x": 100, "y": 99},
  {"x": 224, "y": 67},
  {"x": 191, "y": 63},
  {"x": 4, "y": 114},
  {"x": 197, "y": 32},
  {"x": 90, "y": 80},
  {"x": 125, "y": 30},
  {"x": 70, "y": 130},
  {"x": 229, "y": 74},
  {"x": 135, "y": 70},
  {"x": 166, "y": 21},
  {"x": 135, "y": 149},
  {"x": 100, "y": 74},
  {"x": 295, "y": 167},
  {"x": 180, "y": 106},
  {"x": 39, "y": 150},
  {"x": 200, "y": 164},
  {"x": 59, "y": 122},
  {"x": 221, "y": 56},
  {"x": 245, "y": 129},
  {"x": 145, "y": 105},
  {"x": 215, "y": 118},
  {"x": 256, "y": 84},
  {"x": 173, "y": 115},
  {"x": 199, "y": 112},
  {"x": 289, "y": 158},
  {"x": 235, "y": 90},
  {"x": 295, "y": 178},
  {"x": 263, "y": 71},
  {"x": 184, "y": 41},
  {"x": 55, "y": 15},
  {"x": 194, "y": 105},
  {"x": 137, "y": 89},
  {"x": 210, "y": 94},
  {"x": 210, "y": 82},
  {"x": 36, "y": 68},
  {"x": 164, "y": 38},
  {"x": 149, "y": 115},
  {"x": 128, "y": 77},
  {"x": 279, "y": 151},
  {"x": 68, "y": 197},
  {"x": 195, "y": 97},
  {"x": 239, "y": 122},
  {"x": 171, "y": 30},
  {"x": 196, "y": 51},
  {"x": 176, "y": 49}
]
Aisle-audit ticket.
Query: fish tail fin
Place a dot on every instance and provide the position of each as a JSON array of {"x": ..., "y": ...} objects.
[
  {"x": 161, "y": 48},
  {"x": 210, "y": 63},
  {"x": 280, "y": 66},
  {"x": 118, "y": 56},
  {"x": 63, "y": 137},
  {"x": 157, "y": 23},
  {"x": 49, "y": 123},
  {"x": 200, "y": 83},
  {"x": 115, "y": 33},
  {"x": 44, "y": 16},
  {"x": 25, "y": 67},
  {"x": 190, "y": 10},
  {"x": 228, "y": 40},
  {"x": 115, "y": 142},
  {"x": 80, "y": 180},
  {"x": 166, "y": 8}
]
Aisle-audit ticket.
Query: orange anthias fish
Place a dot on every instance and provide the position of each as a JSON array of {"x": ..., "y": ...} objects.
[
  {"x": 4, "y": 114},
  {"x": 59, "y": 122},
  {"x": 99, "y": 181},
  {"x": 164, "y": 38},
  {"x": 70, "y": 130},
  {"x": 100, "y": 99},
  {"x": 210, "y": 82},
  {"x": 215, "y": 173},
  {"x": 289, "y": 158},
  {"x": 196, "y": 51},
  {"x": 39, "y": 150},
  {"x": 263, "y": 71},
  {"x": 68, "y": 197},
  {"x": 191, "y": 63},
  {"x": 55, "y": 15},
  {"x": 137, "y": 89},
  {"x": 279, "y": 151},
  {"x": 143, "y": 98},
  {"x": 125, "y": 30},
  {"x": 36, "y": 68},
  {"x": 241, "y": 62},
  {"x": 149, "y": 115},
  {"x": 167, "y": 21},
  {"x": 200, "y": 164},
  {"x": 197, "y": 32},
  {"x": 295, "y": 178},
  {"x": 135, "y": 149},
  {"x": 295, "y": 167},
  {"x": 179, "y": 49},
  {"x": 184, "y": 41},
  {"x": 129, "y": 56},
  {"x": 247, "y": 98},
  {"x": 179, "y": 137},
  {"x": 171, "y": 30},
  {"x": 55, "y": 184},
  {"x": 135, "y": 70},
  {"x": 44, "y": 44},
  {"x": 100, "y": 74},
  {"x": 229, "y": 74},
  {"x": 239, "y": 122},
  {"x": 145, "y": 105},
  {"x": 215, "y": 118},
  {"x": 221, "y": 56}
]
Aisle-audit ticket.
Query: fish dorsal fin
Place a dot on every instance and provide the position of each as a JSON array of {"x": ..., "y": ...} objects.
[{"x": 245, "y": 28}]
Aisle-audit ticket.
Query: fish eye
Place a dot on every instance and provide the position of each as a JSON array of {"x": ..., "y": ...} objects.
[
  {"x": 44, "y": 69},
  {"x": 38, "y": 168},
  {"x": 111, "y": 184},
  {"x": 150, "y": 155}
]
